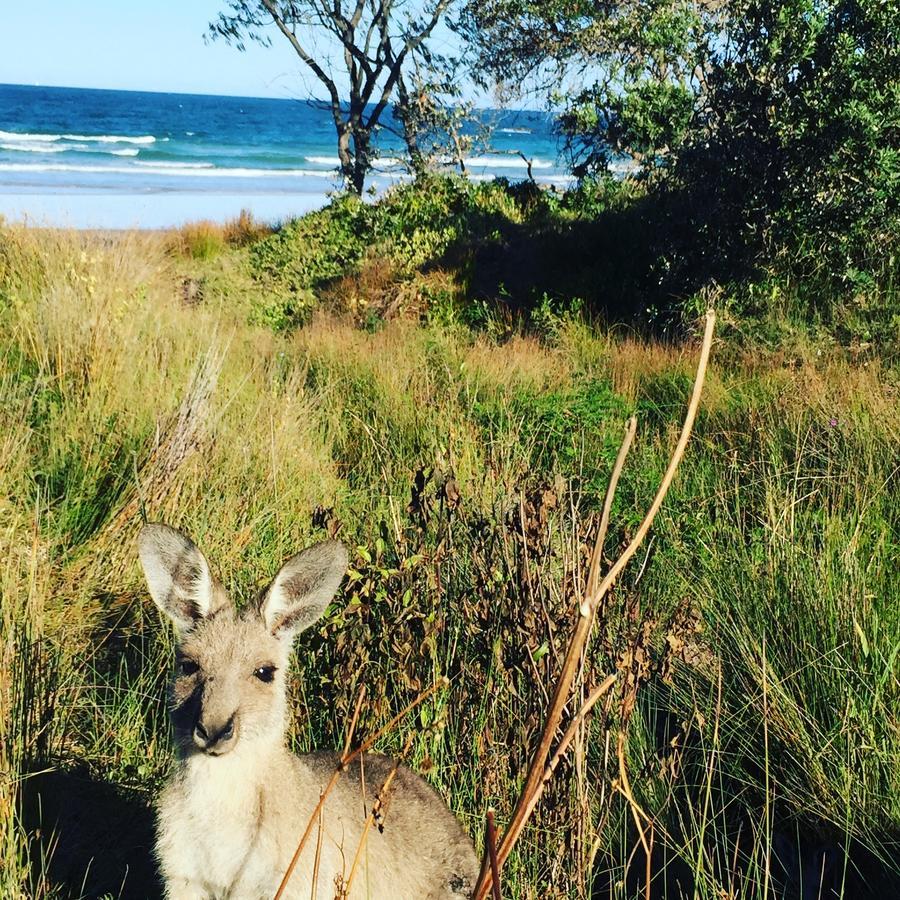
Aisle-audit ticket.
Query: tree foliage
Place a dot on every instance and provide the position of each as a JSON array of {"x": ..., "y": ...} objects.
[
  {"x": 772, "y": 129},
  {"x": 373, "y": 42},
  {"x": 440, "y": 126}
]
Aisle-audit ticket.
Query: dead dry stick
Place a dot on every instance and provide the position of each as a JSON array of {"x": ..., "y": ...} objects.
[
  {"x": 577, "y": 719},
  {"x": 625, "y": 789},
  {"x": 563, "y": 687},
  {"x": 567, "y": 739},
  {"x": 664, "y": 485},
  {"x": 594, "y": 568},
  {"x": 317, "y": 860},
  {"x": 567, "y": 676},
  {"x": 341, "y": 768},
  {"x": 588, "y": 609},
  {"x": 359, "y": 701},
  {"x": 382, "y": 794},
  {"x": 491, "y": 842}
]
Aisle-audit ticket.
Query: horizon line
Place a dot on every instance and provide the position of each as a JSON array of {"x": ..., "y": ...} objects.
[
  {"x": 82, "y": 87},
  {"x": 306, "y": 100}
]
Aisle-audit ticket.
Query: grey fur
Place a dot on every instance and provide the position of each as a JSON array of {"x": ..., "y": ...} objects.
[{"x": 232, "y": 813}]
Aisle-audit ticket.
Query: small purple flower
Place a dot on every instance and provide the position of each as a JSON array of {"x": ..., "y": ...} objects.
[{"x": 832, "y": 422}]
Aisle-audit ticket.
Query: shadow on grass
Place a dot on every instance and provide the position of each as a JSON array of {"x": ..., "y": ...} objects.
[
  {"x": 89, "y": 838},
  {"x": 631, "y": 255},
  {"x": 802, "y": 865},
  {"x": 608, "y": 261},
  {"x": 604, "y": 263}
]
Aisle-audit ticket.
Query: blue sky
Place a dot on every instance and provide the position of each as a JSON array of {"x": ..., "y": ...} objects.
[{"x": 154, "y": 45}]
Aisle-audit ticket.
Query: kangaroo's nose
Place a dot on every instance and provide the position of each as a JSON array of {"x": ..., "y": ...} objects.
[{"x": 215, "y": 739}]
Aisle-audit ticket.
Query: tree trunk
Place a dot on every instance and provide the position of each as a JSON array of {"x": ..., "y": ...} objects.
[
  {"x": 408, "y": 115},
  {"x": 373, "y": 69},
  {"x": 458, "y": 151},
  {"x": 345, "y": 155},
  {"x": 361, "y": 163}
]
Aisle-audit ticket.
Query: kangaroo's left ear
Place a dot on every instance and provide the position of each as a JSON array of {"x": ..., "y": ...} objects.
[
  {"x": 303, "y": 588},
  {"x": 178, "y": 576}
]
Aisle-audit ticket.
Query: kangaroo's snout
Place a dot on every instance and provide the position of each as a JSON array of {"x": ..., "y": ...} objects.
[{"x": 215, "y": 739}]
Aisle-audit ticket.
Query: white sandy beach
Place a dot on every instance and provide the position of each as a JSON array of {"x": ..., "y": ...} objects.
[{"x": 149, "y": 210}]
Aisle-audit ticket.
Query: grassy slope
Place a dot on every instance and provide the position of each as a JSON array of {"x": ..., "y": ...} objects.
[{"x": 464, "y": 471}]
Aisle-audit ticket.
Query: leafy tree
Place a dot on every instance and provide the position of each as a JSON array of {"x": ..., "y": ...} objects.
[
  {"x": 440, "y": 127},
  {"x": 794, "y": 157},
  {"x": 628, "y": 76},
  {"x": 769, "y": 129},
  {"x": 840, "y": 133},
  {"x": 375, "y": 40}
]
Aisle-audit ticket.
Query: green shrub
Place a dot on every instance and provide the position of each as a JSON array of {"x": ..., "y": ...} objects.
[{"x": 318, "y": 247}]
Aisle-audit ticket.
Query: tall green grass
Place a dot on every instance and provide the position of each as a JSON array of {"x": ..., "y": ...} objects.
[{"x": 463, "y": 473}]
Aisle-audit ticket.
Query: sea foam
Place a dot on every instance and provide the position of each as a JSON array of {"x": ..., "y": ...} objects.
[
  {"x": 162, "y": 164},
  {"x": 90, "y": 138},
  {"x": 175, "y": 170},
  {"x": 111, "y": 138},
  {"x": 33, "y": 148},
  {"x": 505, "y": 162}
]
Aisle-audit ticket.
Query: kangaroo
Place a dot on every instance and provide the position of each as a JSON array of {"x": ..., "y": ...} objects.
[{"x": 232, "y": 814}]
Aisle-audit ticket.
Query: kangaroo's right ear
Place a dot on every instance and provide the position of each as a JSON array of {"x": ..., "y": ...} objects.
[
  {"x": 303, "y": 588},
  {"x": 178, "y": 575}
]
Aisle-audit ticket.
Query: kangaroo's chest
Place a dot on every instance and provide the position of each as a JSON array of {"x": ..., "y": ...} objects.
[
  {"x": 212, "y": 833},
  {"x": 223, "y": 837}
]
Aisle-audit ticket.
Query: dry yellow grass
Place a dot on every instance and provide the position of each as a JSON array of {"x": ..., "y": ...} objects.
[{"x": 204, "y": 239}]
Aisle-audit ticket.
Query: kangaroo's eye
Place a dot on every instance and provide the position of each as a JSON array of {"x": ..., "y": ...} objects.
[
  {"x": 188, "y": 667},
  {"x": 264, "y": 673}
]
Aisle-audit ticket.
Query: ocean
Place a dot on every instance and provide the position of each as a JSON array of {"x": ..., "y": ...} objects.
[{"x": 119, "y": 159}]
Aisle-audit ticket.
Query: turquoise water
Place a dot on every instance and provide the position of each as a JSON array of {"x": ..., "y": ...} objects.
[{"x": 114, "y": 159}]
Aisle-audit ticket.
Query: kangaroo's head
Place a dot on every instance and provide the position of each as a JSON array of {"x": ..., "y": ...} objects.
[{"x": 229, "y": 683}]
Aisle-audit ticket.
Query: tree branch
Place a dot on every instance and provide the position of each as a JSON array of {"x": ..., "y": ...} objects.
[
  {"x": 317, "y": 70},
  {"x": 410, "y": 46}
]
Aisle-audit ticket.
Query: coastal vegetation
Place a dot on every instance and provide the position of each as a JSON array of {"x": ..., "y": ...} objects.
[
  {"x": 765, "y": 129},
  {"x": 762, "y": 132},
  {"x": 441, "y": 379}
]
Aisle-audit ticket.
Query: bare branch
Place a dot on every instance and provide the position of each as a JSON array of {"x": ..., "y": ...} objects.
[
  {"x": 593, "y": 594},
  {"x": 317, "y": 70},
  {"x": 360, "y": 35},
  {"x": 410, "y": 46}
]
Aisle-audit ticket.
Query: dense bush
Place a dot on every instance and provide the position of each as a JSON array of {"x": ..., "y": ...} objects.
[
  {"x": 414, "y": 228},
  {"x": 497, "y": 256},
  {"x": 768, "y": 132},
  {"x": 793, "y": 159}
]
